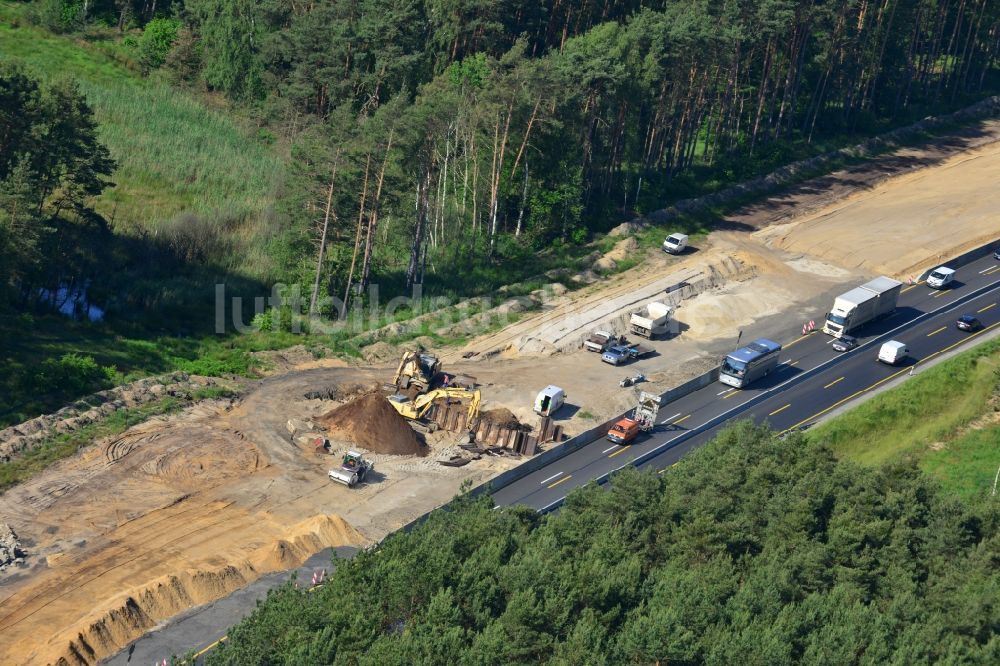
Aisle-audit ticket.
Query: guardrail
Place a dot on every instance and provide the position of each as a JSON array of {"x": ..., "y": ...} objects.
[{"x": 572, "y": 444}]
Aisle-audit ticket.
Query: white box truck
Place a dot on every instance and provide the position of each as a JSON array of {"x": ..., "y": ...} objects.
[
  {"x": 652, "y": 320},
  {"x": 861, "y": 305}
]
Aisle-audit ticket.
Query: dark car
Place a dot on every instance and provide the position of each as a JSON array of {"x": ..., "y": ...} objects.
[
  {"x": 845, "y": 343},
  {"x": 996, "y": 253},
  {"x": 968, "y": 323}
]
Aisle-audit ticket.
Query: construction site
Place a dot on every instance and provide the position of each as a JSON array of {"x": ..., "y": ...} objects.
[{"x": 183, "y": 509}]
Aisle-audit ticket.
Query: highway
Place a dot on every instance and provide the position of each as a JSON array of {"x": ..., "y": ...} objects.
[{"x": 811, "y": 381}]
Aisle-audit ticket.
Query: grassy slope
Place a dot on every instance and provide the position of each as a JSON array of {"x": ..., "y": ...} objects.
[
  {"x": 943, "y": 418},
  {"x": 175, "y": 154}
]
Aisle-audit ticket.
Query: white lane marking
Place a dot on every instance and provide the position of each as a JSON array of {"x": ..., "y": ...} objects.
[
  {"x": 655, "y": 451},
  {"x": 671, "y": 418},
  {"x": 605, "y": 451},
  {"x": 725, "y": 391},
  {"x": 988, "y": 268},
  {"x": 550, "y": 478}
]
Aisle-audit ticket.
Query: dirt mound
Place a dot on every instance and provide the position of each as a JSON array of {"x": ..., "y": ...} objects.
[
  {"x": 369, "y": 421},
  {"x": 107, "y": 630},
  {"x": 500, "y": 416}
]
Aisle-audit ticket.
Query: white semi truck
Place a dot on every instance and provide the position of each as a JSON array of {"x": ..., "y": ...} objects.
[
  {"x": 652, "y": 320},
  {"x": 861, "y": 305}
]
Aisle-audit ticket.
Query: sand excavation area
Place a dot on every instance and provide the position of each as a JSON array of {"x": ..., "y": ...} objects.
[{"x": 183, "y": 509}]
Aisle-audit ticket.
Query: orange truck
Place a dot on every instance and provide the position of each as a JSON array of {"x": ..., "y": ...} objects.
[{"x": 624, "y": 431}]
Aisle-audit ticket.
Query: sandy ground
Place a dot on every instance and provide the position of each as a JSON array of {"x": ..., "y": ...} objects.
[
  {"x": 184, "y": 509},
  {"x": 907, "y": 225}
]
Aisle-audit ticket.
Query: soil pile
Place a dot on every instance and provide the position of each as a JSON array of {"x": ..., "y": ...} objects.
[
  {"x": 370, "y": 422},
  {"x": 500, "y": 416}
]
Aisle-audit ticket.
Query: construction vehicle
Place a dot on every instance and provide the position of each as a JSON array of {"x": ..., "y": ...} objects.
[
  {"x": 652, "y": 320},
  {"x": 417, "y": 408},
  {"x": 353, "y": 469},
  {"x": 619, "y": 354},
  {"x": 861, "y": 305},
  {"x": 643, "y": 419},
  {"x": 417, "y": 370},
  {"x": 599, "y": 341}
]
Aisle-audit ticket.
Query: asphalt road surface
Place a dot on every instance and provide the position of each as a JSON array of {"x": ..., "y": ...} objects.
[
  {"x": 202, "y": 628},
  {"x": 811, "y": 381}
]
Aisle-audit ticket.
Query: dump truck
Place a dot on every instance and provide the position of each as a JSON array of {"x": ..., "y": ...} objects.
[
  {"x": 417, "y": 408},
  {"x": 643, "y": 419},
  {"x": 599, "y": 341},
  {"x": 621, "y": 354},
  {"x": 417, "y": 370},
  {"x": 353, "y": 469},
  {"x": 861, "y": 305},
  {"x": 652, "y": 320}
]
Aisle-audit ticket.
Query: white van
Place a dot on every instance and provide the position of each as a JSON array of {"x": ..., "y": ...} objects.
[
  {"x": 675, "y": 243},
  {"x": 549, "y": 399},
  {"x": 893, "y": 352},
  {"x": 940, "y": 277}
]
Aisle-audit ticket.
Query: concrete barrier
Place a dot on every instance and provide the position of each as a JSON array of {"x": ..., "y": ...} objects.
[
  {"x": 964, "y": 259},
  {"x": 569, "y": 446}
]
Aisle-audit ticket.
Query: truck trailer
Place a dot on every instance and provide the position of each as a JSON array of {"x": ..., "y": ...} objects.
[
  {"x": 861, "y": 305},
  {"x": 652, "y": 320}
]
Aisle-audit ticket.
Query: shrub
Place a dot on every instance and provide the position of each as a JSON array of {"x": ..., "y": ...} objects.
[
  {"x": 156, "y": 42},
  {"x": 71, "y": 374}
]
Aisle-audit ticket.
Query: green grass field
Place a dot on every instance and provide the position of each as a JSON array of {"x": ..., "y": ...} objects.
[
  {"x": 941, "y": 418},
  {"x": 175, "y": 153}
]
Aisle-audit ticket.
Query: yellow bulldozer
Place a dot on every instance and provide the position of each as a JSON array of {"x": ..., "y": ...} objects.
[{"x": 418, "y": 407}]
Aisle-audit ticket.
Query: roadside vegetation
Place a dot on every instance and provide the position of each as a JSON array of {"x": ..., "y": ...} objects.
[
  {"x": 946, "y": 420},
  {"x": 755, "y": 549}
]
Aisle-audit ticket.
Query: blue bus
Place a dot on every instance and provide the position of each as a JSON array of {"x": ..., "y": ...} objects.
[{"x": 750, "y": 363}]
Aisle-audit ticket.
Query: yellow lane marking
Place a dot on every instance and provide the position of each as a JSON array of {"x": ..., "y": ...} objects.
[
  {"x": 991, "y": 305},
  {"x": 834, "y": 382},
  {"x": 939, "y": 294},
  {"x": 683, "y": 418},
  {"x": 884, "y": 380},
  {"x": 612, "y": 455},
  {"x": 728, "y": 396},
  {"x": 915, "y": 284},
  {"x": 992, "y": 271},
  {"x": 565, "y": 478},
  {"x": 206, "y": 648},
  {"x": 796, "y": 341},
  {"x": 937, "y": 331},
  {"x": 780, "y": 409}
]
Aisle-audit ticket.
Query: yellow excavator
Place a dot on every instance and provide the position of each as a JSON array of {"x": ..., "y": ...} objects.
[
  {"x": 417, "y": 370},
  {"x": 419, "y": 406}
]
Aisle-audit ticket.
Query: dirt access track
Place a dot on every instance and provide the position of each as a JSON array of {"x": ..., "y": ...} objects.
[{"x": 184, "y": 509}]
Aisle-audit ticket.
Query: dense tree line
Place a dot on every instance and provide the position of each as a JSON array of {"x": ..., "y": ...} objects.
[
  {"x": 445, "y": 132},
  {"x": 445, "y": 138},
  {"x": 51, "y": 167},
  {"x": 755, "y": 549}
]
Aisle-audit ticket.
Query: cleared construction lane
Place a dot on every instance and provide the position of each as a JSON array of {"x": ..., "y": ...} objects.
[{"x": 812, "y": 381}]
